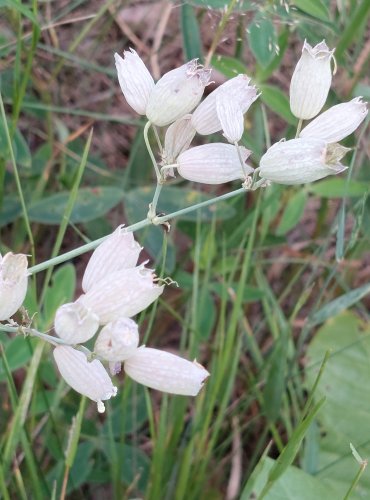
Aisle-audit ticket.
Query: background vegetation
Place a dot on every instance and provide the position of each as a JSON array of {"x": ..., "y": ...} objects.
[{"x": 272, "y": 285}]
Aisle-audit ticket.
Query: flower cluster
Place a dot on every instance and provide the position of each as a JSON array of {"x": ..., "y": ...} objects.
[
  {"x": 115, "y": 289},
  {"x": 315, "y": 153}
]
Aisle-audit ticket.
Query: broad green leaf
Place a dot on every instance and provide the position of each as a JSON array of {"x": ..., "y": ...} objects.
[
  {"x": 278, "y": 102},
  {"x": 90, "y": 204},
  {"x": 295, "y": 484},
  {"x": 228, "y": 66},
  {"x": 315, "y": 8},
  {"x": 336, "y": 188},
  {"x": 263, "y": 74},
  {"x": 292, "y": 213},
  {"x": 10, "y": 210},
  {"x": 18, "y": 353},
  {"x": 275, "y": 383},
  {"x": 21, "y": 150},
  {"x": 192, "y": 42},
  {"x": 262, "y": 39},
  {"x": 345, "y": 417},
  {"x": 339, "y": 304}
]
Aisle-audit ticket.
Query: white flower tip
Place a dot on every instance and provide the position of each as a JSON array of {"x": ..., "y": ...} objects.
[{"x": 101, "y": 406}]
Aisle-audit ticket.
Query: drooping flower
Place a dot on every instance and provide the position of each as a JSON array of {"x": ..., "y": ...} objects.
[
  {"x": 122, "y": 294},
  {"x": 13, "y": 283},
  {"x": 177, "y": 139},
  {"x": 118, "y": 251},
  {"x": 337, "y": 122},
  {"x": 231, "y": 117},
  {"x": 177, "y": 93},
  {"x": 87, "y": 378},
  {"x": 205, "y": 119},
  {"x": 165, "y": 371},
  {"x": 311, "y": 81},
  {"x": 135, "y": 80},
  {"x": 75, "y": 323},
  {"x": 214, "y": 163},
  {"x": 118, "y": 340},
  {"x": 300, "y": 161}
]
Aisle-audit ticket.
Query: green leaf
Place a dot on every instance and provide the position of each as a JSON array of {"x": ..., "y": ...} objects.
[
  {"x": 21, "y": 150},
  {"x": 336, "y": 188},
  {"x": 275, "y": 383},
  {"x": 278, "y": 102},
  {"x": 21, "y": 8},
  {"x": 228, "y": 66},
  {"x": 11, "y": 209},
  {"x": 293, "y": 485},
  {"x": 241, "y": 5},
  {"x": 339, "y": 304},
  {"x": 90, "y": 204},
  {"x": 292, "y": 213},
  {"x": 315, "y": 8},
  {"x": 192, "y": 42},
  {"x": 262, "y": 39},
  {"x": 61, "y": 291},
  {"x": 344, "y": 418},
  {"x": 17, "y": 352}
]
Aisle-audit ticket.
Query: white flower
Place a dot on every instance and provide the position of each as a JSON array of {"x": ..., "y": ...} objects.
[
  {"x": 231, "y": 117},
  {"x": 177, "y": 139},
  {"x": 177, "y": 93},
  {"x": 13, "y": 283},
  {"x": 135, "y": 80},
  {"x": 117, "y": 341},
  {"x": 122, "y": 294},
  {"x": 311, "y": 81},
  {"x": 337, "y": 122},
  {"x": 87, "y": 378},
  {"x": 214, "y": 163},
  {"x": 299, "y": 161},
  {"x": 205, "y": 119},
  {"x": 165, "y": 372},
  {"x": 75, "y": 323},
  {"x": 118, "y": 251}
]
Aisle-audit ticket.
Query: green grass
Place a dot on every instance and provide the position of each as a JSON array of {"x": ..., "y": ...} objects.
[{"x": 273, "y": 284}]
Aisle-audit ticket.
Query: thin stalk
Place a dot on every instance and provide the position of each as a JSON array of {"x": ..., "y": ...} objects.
[
  {"x": 356, "y": 479},
  {"x": 242, "y": 164},
  {"x": 134, "y": 227},
  {"x": 299, "y": 128},
  {"x": 219, "y": 31},
  {"x": 17, "y": 180},
  {"x": 150, "y": 151},
  {"x": 153, "y": 205},
  {"x": 266, "y": 126},
  {"x": 160, "y": 147}
]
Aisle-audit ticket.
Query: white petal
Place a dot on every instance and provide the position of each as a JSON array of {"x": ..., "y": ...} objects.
[
  {"x": 118, "y": 340},
  {"x": 165, "y": 372},
  {"x": 122, "y": 294},
  {"x": 87, "y": 378},
  {"x": 214, "y": 163},
  {"x": 13, "y": 283},
  {"x": 311, "y": 81},
  {"x": 205, "y": 119},
  {"x": 75, "y": 323},
  {"x": 177, "y": 93},
  {"x": 231, "y": 117},
  {"x": 118, "y": 251},
  {"x": 135, "y": 80},
  {"x": 177, "y": 139},
  {"x": 337, "y": 122},
  {"x": 297, "y": 161}
]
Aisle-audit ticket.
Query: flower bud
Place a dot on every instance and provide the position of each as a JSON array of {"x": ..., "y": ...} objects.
[
  {"x": 205, "y": 119},
  {"x": 13, "y": 283},
  {"x": 118, "y": 251},
  {"x": 177, "y": 139},
  {"x": 214, "y": 163},
  {"x": 337, "y": 122},
  {"x": 122, "y": 294},
  {"x": 311, "y": 81},
  {"x": 177, "y": 93},
  {"x": 165, "y": 372},
  {"x": 87, "y": 378},
  {"x": 118, "y": 340},
  {"x": 135, "y": 80},
  {"x": 231, "y": 117},
  {"x": 75, "y": 323},
  {"x": 300, "y": 161}
]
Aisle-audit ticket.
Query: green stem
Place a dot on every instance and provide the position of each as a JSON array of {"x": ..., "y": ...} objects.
[
  {"x": 134, "y": 227},
  {"x": 150, "y": 151},
  {"x": 153, "y": 205},
  {"x": 242, "y": 164}
]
